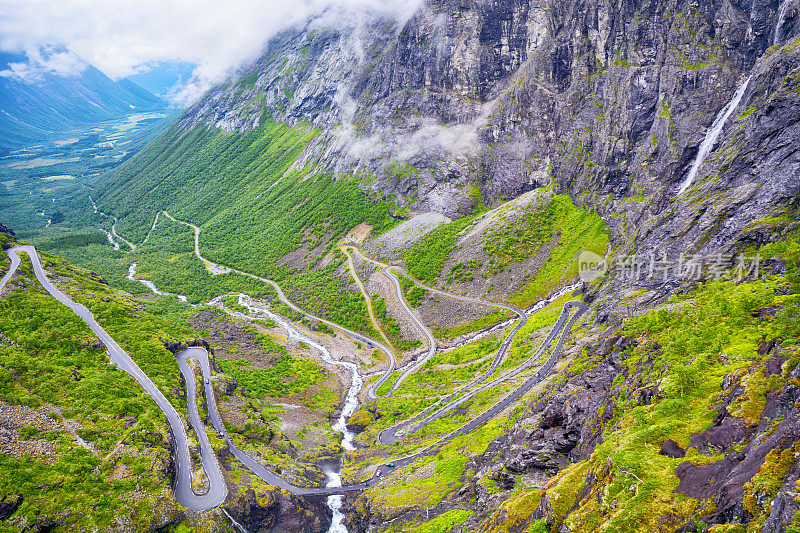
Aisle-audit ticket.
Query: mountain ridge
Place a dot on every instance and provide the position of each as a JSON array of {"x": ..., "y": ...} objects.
[{"x": 46, "y": 101}]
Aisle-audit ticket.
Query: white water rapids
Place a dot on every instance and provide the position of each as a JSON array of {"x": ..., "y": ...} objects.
[
  {"x": 722, "y": 117},
  {"x": 538, "y": 306},
  {"x": 350, "y": 405},
  {"x": 114, "y": 243},
  {"x": 150, "y": 285}
]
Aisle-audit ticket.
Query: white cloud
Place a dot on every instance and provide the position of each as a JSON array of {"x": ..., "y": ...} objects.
[
  {"x": 41, "y": 62},
  {"x": 121, "y": 36}
]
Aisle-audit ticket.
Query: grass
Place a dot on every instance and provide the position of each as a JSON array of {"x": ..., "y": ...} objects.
[
  {"x": 578, "y": 231},
  {"x": 288, "y": 376},
  {"x": 412, "y": 293},
  {"x": 426, "y": 258},
  {"x": 686, "y": 351},
  {"x": 49, "y": 357},
  {"x": 513, "y": 244},
  {"x": 444, "y": 522},
  {"x": 391, "y": 326}
]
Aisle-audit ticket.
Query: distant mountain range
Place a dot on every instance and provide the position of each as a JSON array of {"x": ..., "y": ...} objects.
[{"x": 41, "y": 96}]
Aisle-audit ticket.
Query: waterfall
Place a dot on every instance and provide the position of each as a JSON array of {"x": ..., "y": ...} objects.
[
  {"x": 712, "y": 134},
  {"x": 776, "y": 40},
  {"x": 334, "y": 478},
  {"x": 239, "y": 527}
]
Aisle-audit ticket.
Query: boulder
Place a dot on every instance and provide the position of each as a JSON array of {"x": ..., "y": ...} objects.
[
  {"x": 672, "y": 449},
  {"x": 10, "y": 503}
]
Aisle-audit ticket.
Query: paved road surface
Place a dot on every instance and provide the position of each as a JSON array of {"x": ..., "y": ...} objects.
[{"x": 218, "y": 491}]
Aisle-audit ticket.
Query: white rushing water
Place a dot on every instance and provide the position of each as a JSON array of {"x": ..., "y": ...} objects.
[
  {"x": 785, "y": 5},
  {"x": 150, "y": 285},
  {"x": 713, "y": 134},
  {"x": 239, "y": 527},
  {"x": 334, "y": 478},
  {"x": 114, "y": 243}
]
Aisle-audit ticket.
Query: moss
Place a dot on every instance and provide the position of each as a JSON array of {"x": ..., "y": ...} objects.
[
  {"x": 516, "y": 512},
  {"x": 425, "y": 484},
  {"x": 750, "y": 405},
  {"x": 746, "y": 113},
  {"x": 442, "y": 523},
  {"x": 485, "y": 321},
  {"x": 768, "y": 481},
  {"x": 686, "y": 351}
]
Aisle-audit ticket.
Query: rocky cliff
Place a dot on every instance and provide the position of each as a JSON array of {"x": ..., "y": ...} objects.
[{"x": 465, "y": 101}]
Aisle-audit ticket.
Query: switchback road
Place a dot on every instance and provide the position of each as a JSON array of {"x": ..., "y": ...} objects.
[{"x": 217, "y": 491}]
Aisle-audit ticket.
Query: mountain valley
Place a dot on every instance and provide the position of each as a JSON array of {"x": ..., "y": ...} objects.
[{"x": 501, "y": 266}]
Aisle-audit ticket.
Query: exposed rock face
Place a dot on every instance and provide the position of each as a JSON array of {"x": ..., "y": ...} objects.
[
  {"x": 672, "y": 449},
  {"x": 724, "y": 480},
  {"x": 9, "y": 506},
  {"x": 616, "y": 96},
  {"x": 276, "y": 513}
]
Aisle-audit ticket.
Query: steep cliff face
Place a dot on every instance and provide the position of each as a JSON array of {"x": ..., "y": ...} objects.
[{"x": 467, "y": 100}]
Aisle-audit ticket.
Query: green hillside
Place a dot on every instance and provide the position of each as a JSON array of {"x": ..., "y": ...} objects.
[
  {"x": 253, "y": 209},
  {"x": 85, "y": 432}
]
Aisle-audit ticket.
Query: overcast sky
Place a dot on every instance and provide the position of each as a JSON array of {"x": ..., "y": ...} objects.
[{"x": 121, "y": 37}]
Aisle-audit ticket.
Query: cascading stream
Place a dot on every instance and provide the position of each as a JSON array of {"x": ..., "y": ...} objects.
[
  {"x": 713, "y": 134},
  {"x": 150, "y": 285},
  {"x": 334, "y": 478},
  {"x": 722, "y": 117},
  {"x": 111, "y": 240},
  {"x": 782, "y": 11},
  {"x": 351, "y": 402}
]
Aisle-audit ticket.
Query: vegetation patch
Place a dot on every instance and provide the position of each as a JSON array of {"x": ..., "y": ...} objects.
[
  {"x": 288, "y": 376},
  {"x": 426, "y": 258},
  {"x": 49, "y": 357}
]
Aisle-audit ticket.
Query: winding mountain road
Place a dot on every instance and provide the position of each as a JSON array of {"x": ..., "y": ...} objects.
[
  {"x": 372, "y": 391},
  {"x": 563, "y": 327},
  {"x": 184, "y": 494},
  {"x": 221, "y": 269},
  {"x": 217, "y": 491},
  {"x": 388, "y": 271}
]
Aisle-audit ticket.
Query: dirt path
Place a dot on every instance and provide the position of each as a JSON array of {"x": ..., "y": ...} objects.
[{"x": 372, "y": 317}]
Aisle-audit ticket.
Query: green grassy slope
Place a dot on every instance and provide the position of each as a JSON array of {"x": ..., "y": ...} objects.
[
  {"x": 50, "y": 360},
  {"x": 252, "y": 208}
]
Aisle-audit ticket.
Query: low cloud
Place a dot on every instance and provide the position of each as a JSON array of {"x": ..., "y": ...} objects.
[
  {"x": 120, "y": 37},
  {"x": 43, "y": 62}
]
